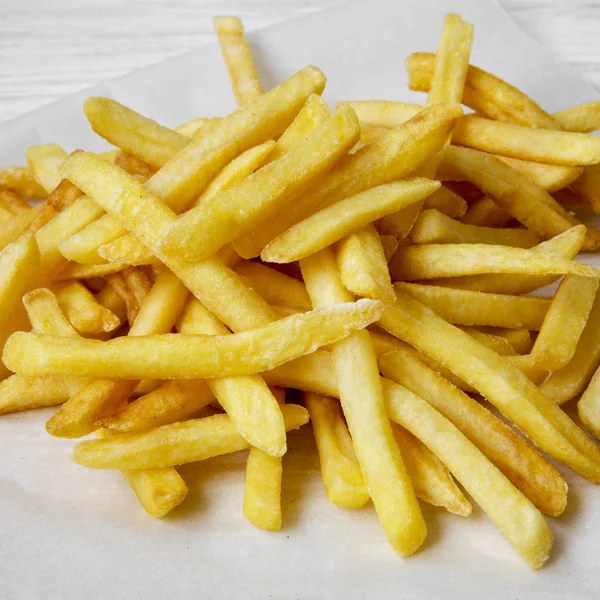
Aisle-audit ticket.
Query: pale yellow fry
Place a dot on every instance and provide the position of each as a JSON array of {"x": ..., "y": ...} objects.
[
  {"x": 247, "y": 400},
  {"x": 238, "y": 59},
  {"x": 514, "y": 515},
  {"x": 108, "y": 298},
  {"x": 362, "y": 401},
  {"x": 529, "y": 204},
  {"x": 493, "y": 377},
  {"x": 520, "y": 463},
  {"x": 486, "y": 213},
  {"x": 147, "y": 217},
  {"x": 434, "y": 227},
  {"x": 313, "y": 113},
  {"x": 588, "y": 406},
  {"x": 77, "y": 271},
  {"x": 345, "y": 217},
  {"x": 498, "y": 344},
  {"x": 519, "y": 339},
  {"x": 464, "y": 307},
  {"x": 564, "y": 323},
  {"x": 392, "y": 157},
  {"x": 12, "y": 203},
  {"x": 262, "y": 490},
  {"x": 44, "y": 161},
  {"x": 485, "y": 93},
  {"x": 206, "y": 356},
  {"x": 549, "y": 177},
  {"x": 126, "y": 249},
  {"x": 221, "y": 219},
  {"x": 275, "y": 287},
  {"x": 19, "y": 393},
  {"x": 447, "y": 202},
  {"x": 175, "y": 444},
  {"x": 432, "y": 481},
  {"x": 19, "y": 262},
  {"x": 568, "y": 382},
  {"x": 342, "y": 478},
  {"x": 451, "y": 61},
  {"x": 583, "y": 118},
  {"x": 21, "y": 181},
  {"x": 428, "y": 261},
  {"x": 566, "y": 245},
  {"x": 363, "y": 266},
  {"x": 142, "y": 137},
  {"x": 12, "y": 228},
  {"x": 82, "y": 309},
  {"x": 192, "y": 127}
]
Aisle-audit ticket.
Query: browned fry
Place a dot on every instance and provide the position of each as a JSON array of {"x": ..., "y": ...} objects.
[
  {"x": 63, "y": 195},
  {"x": 13, "y": 202},
  {"x": 134, "y": 165}
]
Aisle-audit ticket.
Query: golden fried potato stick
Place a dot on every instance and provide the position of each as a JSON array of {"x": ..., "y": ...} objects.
[
  {"x": 568, "y": 382},
  {"x": 432, "y": 481},
  {"x": 342, "y": 478},
  {"x": 21, "y": 181},
  {"x": 514, "y": 515},
  {"x": 447, "y": 202},
  {"x": 12, "y": 228},
  {"x": 247, "y": 400},
  {"x": 77, "y": 271},
  {"x": 108, "y": 298},
  {"x": 44, "y": 161},
  {"x": 137, "y": 135},
  {"x": 355, "y": 364},
  {"x": 363, "y": 265},
  {"x": 529, "y": 204},
  {"x": 238, "y": 59},
  {"x": 565, "y": 321},
  {"x": 493, "y": 377},
  {"x": 566, "y": 245},
  {"x": 486, "y": 213},
  {"x": 19, "y": 393},
  {"x": 133, "y": 165},
  {"x": 485, "y": 93},
  {"x": 392, "y": 157},
  {"x": 193, "y": 126},
  {"x": 583, "y": 118},
  {"x": 13, "y": 202},
  {"x": 19, "y": 263},
  {"x": 551, "y": 178},
  {"x": 428, "y": 261},
  {"x": 588, "y": 406},
  {"x": 171, "y": 402},
  {"x": 519, "y": 339},
  {"x": 5, "y": 213},
  {"x": 82, "y": 310},
  {"x": 205, "y": 356},
  {"x": 464, "y": 307},
  {"x": 345, "y": 217},
  {"x": 226, "y": 216},
  {"x": 158, "y": 313},
  {"x": 496, "y": 343},
  {"x": 176, "y": 444},
  {"x": 275, "y": 287},
  {"x": 434, "y": 227}
]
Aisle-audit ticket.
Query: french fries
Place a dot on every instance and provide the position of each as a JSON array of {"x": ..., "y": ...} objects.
[{"x": 379, "y": 255}]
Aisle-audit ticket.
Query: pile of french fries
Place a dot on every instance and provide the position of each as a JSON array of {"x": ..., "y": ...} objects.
[{"x": 375, "y": 259}]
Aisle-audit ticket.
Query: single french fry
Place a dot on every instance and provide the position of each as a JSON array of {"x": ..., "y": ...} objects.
[
  {"x": 176, "y": 444},
  {"x": 133, "y": 165},
  {"x": 564, "y": 323},
  {"x": 238, "y": 59},
  {"x": 514, "y": 515},
  {"x": 389, "y": 243},
  {"x": 486, "y": 213},
  {"x": 21, "y": 181},
  {"x": 434, "y": 227},
  {"x": 345, "y": 217},
  {"x": 13, "y": 202},
  {"x": 26, "y": 393},
  {"x": 498, "y": 344},
  {"x": 519, "y": 339},
  {"x": 108, "y": 298},
  {"x": 221, "y": 219},
  {"x": 247, "y": 400},
  {"x": 362, "y": 401},
  {"x": 44, "y": 161},
  {"x": 82, "y": 309},
  {"x": 485, "y": 93},
  {"x": 588, "y": 406},
  {"x": 464, "y": 307},
  {"x": 192, "y": 127},
  {"x": 63, "y": 195},
  {"x": 393, "y": 156},
  {"x": 12, "y": 228},
  {"x": 492, "y": 376},
  {"x": 568, "y": 382},
  {"x": 583, "y": 118},
  {"x": 447, "y": 202},
  {"x": 77, "y": 271},
  {"x": 549, "y": 177},
  {"x": 363, "y": 266},
  {"x": 137, "y": 135},
  {"x": 19, "y": 262},
  {"x": 275, "y": 287},
  {"x": 342, "y": 478},
  {"x": 432, "y": 480},
  {"x": 566, "y": 245},
  {"x": 587, "y": 186},
  {"x": 428, "y": 261},
  {"x": 206, "y": 357}
]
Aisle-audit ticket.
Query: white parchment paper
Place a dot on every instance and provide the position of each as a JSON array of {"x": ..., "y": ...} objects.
[{"x": 69, "y": 533}]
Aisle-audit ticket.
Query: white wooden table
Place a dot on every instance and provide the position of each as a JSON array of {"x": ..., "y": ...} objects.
[{"x": 50, "y": 48}]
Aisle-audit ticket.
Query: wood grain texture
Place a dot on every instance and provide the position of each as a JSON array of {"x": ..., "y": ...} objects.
[{"x": 51, "y": 48}]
